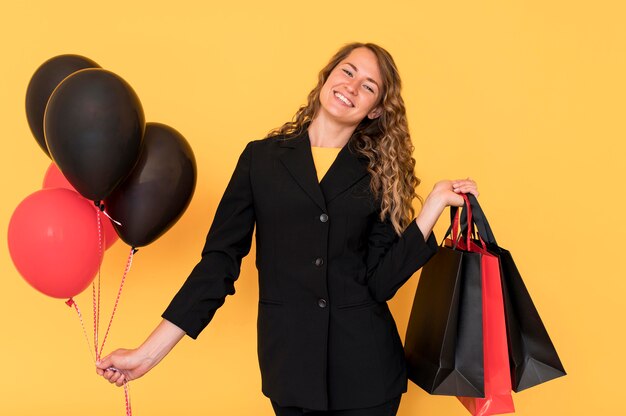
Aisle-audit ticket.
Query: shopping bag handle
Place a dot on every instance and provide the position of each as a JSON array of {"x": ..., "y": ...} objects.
[
  {"x": 466, "y": 220},
  {"x": 484, "y": 229},
  {"x": 453, "y": 217},
  {"x": 472, "y": 209}
]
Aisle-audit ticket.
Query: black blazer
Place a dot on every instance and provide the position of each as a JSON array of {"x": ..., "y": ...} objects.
[{"x": 327, "y": 266}]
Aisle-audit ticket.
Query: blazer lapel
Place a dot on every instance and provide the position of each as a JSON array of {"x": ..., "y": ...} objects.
[
  {"x": 299, "y": 162},
  {"x": 346, "y": 170}
]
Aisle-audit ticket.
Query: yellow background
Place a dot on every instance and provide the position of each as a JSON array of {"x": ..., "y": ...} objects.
[{"x": 527, "y": 97}]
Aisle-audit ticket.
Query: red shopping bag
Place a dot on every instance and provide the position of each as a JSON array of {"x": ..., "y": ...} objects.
[{"x": 497, "y": 398}]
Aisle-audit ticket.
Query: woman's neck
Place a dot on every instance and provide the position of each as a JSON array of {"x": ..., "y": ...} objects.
[{"x": 327, "y": 133}]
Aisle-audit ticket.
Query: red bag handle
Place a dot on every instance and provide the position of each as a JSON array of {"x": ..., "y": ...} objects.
[
  {"x": 470, "y": 222},
  {"x": 455, "y": 223}
]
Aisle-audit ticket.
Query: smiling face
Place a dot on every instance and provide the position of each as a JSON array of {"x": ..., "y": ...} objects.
[{"x": 353, "y": 88}]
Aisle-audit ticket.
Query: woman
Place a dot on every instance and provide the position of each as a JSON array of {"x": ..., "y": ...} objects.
[{"x": 330, "y": 194}]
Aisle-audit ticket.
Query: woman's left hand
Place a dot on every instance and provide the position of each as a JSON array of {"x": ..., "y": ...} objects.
[
  {"x": 449, "y": 191},
  {"x": 465, "y": 186},
  {"x": 445, "y": 193}
]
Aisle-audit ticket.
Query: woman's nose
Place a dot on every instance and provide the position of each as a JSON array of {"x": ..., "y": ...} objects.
[{"x": 352, "y": 87}]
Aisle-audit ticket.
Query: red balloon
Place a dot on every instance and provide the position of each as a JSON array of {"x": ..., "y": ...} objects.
[
  {"x": 53, "y": 241},
  {"x": 55, "y": 179}
]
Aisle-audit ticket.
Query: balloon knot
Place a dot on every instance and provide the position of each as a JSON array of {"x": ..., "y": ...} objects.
[
  {"x": 99, "y": 204},
  {"x": 70, "y": 302},
  {"x": 135, "y": 249}
]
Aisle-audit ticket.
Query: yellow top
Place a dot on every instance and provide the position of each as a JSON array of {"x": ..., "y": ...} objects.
[{"x": 323, "y": 157}]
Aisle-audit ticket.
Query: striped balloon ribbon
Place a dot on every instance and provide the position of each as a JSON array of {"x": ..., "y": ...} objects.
[{"x": 95, "y": 290}]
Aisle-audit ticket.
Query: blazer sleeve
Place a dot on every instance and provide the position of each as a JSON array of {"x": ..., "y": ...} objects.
[
  {"x": 227, "y": 242},
  {"x": 393, "y": 259}
]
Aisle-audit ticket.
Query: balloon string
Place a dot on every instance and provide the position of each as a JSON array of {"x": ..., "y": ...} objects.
[
  {"x": 129, "y": 411},
  {"x": 71, "y": 302},
  {"x": 96, "y": 309},
  {"x": 98, "y": 319},
  {"x": 96, "y": 301},
  {"x": 129, "y": 263},
  {"x": 100, "y": 205},
  {"x": 95, "y": 331},
  {"x": 117, "y": 222},
  {"x": 119, "y": 293},
  {"x": 100, "y": 241}
]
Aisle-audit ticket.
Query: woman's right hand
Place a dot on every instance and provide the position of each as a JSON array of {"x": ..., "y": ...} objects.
[{"x": 124, "y": 365}]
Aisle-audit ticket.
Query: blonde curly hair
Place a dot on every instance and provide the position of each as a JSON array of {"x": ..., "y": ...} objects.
[{"x": 385, "y": 141}]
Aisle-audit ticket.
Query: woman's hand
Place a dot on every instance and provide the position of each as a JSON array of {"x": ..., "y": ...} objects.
[
  {"x": 445, "y": 193},
  {"x": 124, "y": 365},
  {"x": 448, "y": 192}
]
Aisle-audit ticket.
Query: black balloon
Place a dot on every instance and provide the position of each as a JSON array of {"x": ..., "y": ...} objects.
[
  {"x": 158, "y": 190},
  {"x": 43, "y": 82},
  {"x": 94, "y": 125}
]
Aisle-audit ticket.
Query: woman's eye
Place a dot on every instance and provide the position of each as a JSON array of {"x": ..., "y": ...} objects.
[
  {"x": 370, "y": 89},
  {"x": 348, "y": 73}
]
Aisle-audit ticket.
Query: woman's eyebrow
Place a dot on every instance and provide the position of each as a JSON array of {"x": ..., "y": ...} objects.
[{"x": 356, "y": 70}]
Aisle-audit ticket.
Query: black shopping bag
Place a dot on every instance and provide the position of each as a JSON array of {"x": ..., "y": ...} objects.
[
  {"x": 532, "y": 355},
  {"x": 444, "y": 338}
]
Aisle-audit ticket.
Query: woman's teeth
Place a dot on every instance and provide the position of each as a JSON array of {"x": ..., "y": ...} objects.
[{"x": 344, "y": 99}]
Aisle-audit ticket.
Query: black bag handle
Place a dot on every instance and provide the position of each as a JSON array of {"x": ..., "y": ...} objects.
[
  {"x": 481, "y": 229},
  {"x": 479, "y": 218}
]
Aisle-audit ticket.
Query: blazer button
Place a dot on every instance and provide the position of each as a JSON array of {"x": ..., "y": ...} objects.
[
  {"x": 322, "y": 303},
  {"x": 323, "y": 218},
  {"x": 318, "y": 261}
]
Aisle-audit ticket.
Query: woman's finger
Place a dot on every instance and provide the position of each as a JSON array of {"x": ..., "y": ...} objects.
[
  {"x": 104, "y": 363},
  {"x": 472, "y": 191},
  {"x": 116, "y": 377},
  {"x": 111, "y": 375},
  {"x": 113, "y": 378},
  {"x": 120, "y": 382},
  {"x": 463, "y": 183},
  {"x": 467, "y": 189},
  {"x": 467, "y": 186}
]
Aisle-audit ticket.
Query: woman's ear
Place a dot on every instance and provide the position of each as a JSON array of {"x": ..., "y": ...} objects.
[{"x": 375, "y": 113}]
